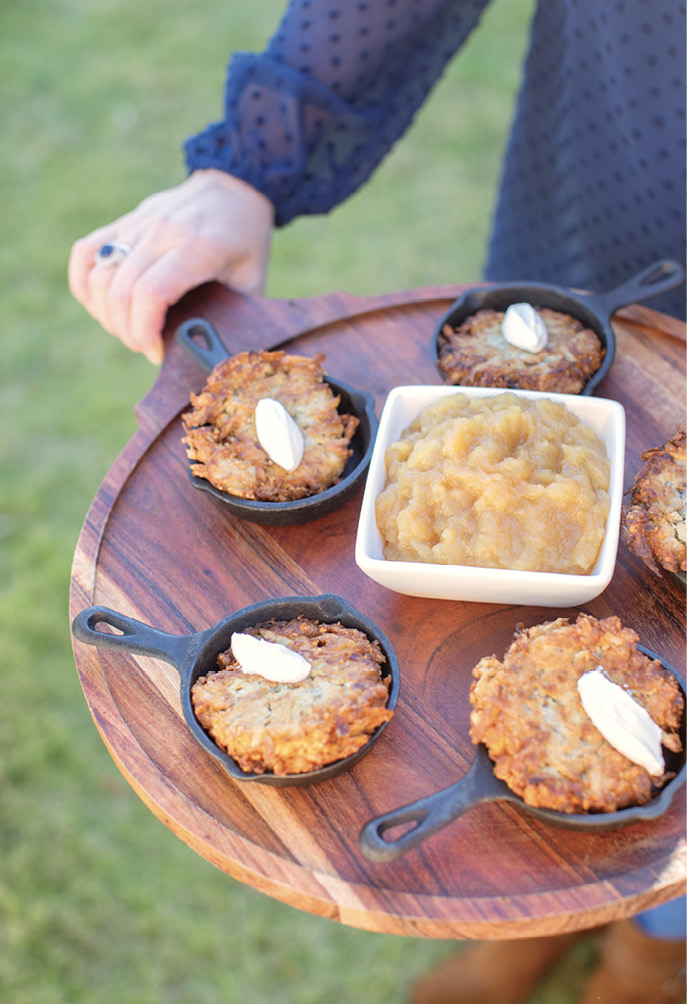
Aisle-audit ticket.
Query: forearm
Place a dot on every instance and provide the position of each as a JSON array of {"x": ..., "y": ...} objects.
[{"x": 307, "y": 122}]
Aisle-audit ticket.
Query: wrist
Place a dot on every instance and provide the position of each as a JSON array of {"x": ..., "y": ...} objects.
[{"x": 236, "y": 187}]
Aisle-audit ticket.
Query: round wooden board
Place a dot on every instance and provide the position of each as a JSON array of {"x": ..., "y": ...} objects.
[{"x": 155, "y": 548}]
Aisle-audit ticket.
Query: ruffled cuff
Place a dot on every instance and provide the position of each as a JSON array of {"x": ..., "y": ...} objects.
[
  {"x": 289, "y": 137},
  {"x": 308, "y": 134}
]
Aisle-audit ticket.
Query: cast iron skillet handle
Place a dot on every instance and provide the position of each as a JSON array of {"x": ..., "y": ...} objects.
[
  {"x": 135, "y": 637},
  {"x": 429, "y": 814},
  {"x": 199, "y": 338},
  {"x": 657, "y": 278}
]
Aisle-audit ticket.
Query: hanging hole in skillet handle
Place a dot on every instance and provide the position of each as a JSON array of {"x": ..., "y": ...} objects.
[
  {"x": 659, "y": 277},
  {"x": 200, "y": 338},
  {"x": 375, "y": 845}
]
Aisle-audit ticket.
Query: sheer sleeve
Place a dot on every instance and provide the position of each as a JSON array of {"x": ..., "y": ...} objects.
[{"x": 307, "y": 121}]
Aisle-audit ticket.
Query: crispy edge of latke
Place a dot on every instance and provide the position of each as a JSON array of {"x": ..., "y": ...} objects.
[{"x": 645, "y": 527}]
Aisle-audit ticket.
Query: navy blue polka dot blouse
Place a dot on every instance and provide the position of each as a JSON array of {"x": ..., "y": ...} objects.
[{"x": 593, "y": 183}]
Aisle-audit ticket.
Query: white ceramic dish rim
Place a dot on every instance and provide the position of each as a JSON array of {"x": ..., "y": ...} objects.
[{"x": 402, "y": 406}]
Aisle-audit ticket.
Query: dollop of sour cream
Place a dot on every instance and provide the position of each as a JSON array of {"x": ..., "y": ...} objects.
[
  {"x": 270, "y": 659},
  {"x": 523, "y": 327},
  {"x": 624, "y": 723},
  {"x": 278, "y": 434}
]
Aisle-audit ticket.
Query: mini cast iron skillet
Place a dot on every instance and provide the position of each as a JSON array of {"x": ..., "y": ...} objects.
[
  {"x": 435, "y": 811},
  {"x": 593, "y": 310},
  {"x": 195, "y": 655},
  {"x": 202, "y": 341}
]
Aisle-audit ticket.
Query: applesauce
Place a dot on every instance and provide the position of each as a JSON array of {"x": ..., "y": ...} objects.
[{"x": 496, "y": 482}]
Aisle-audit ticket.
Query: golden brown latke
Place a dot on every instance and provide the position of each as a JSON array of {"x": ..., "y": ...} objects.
[
  {"x": 528, "y": 713},
  {"x": 653, "y": 526},
  {"x": 222, "y": 440},
  {"x": 289, "y": 728},
  {"x": 477, "y": 355}
]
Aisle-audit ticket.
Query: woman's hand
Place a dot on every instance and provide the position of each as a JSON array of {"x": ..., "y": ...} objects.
[{"x": 212, "y": 226}]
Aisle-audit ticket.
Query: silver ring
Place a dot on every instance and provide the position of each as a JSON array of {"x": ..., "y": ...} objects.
[{"x": 112, "y": 253}]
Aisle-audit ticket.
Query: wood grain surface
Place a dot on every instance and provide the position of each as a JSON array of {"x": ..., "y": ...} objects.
[{"x": 155, "y": 548}]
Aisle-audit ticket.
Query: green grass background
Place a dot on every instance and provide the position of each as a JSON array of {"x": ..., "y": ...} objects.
[{"x": 99, "y": 902}]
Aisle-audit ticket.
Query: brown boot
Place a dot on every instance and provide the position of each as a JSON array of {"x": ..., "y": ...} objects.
[
  {"x": 494, "y": 972},
  {"x": 637, "y": 969}
]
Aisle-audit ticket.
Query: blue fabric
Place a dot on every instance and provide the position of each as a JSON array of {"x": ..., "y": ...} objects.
[
  {"x": 594, "y": 174},
  {"x": 667, "y": 921},
  {"x": 593, "y": 182}
]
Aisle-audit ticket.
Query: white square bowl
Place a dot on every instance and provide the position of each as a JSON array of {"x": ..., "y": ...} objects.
[{"x": 489, "y": 585}]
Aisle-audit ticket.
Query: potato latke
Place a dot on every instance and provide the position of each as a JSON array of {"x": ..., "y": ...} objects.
[
  {"x": 290, "y": 728},
  {"x": 653, "y": 526},
  {"x": 222, "y": 442},
  {"x": 527, "y": 712},
  {"x": 475, "y": 354}
]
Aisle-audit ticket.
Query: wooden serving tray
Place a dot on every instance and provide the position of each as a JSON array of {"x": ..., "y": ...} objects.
[{"x": 155, "y": 548}]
